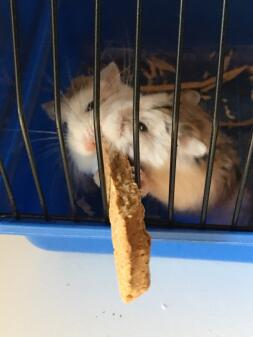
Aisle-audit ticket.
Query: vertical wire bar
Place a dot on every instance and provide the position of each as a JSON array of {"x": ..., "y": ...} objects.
[
  {"x": 57, "y": 105},
  {"x": 20, "y": 111},
  {"x": 215, "y": 123},
  {"x": 136, "y": 92},
  {"x": 96, "y": 99},
  {"x": 242, "y": 187},
  {"x": 8, "y": 190},
  {"x": 175, "y": 114}
]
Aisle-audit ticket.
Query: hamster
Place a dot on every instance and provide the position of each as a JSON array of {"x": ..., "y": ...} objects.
[
  {"x": 193, "y": 145},
  {"x": 77, "y": 114},
  {"x": 116, "y": 104}
]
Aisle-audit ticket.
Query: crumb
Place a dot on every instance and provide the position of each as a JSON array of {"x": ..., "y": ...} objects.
[{"x": 164, "y": 306}]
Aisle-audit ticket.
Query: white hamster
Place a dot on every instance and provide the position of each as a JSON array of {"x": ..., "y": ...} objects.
[{"x": 77, "y": 113}]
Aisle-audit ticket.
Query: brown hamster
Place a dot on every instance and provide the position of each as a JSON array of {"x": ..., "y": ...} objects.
[{"x": 193, "y": 144}]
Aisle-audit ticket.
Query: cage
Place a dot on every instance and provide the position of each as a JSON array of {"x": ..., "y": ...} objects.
[{"x": 44, "y": 44}]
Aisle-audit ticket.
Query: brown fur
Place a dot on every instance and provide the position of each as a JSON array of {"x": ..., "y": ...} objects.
[
  {"x": 190, "y": 179},
  {"x": 77, "y": 84}
]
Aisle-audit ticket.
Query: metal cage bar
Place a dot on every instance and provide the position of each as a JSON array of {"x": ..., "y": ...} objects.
[
  {"x": 8, "y": 189},
  {"x": 152, "y": 223},
  {"x": 57, "y": 217},
  {"x": 136, "y": 146},
  {"x": 136, "y": 93},
  {"x": 96, "y": 99},
  {"x": 20, "y": 111},
  {"x": 242, "y": 187},
  {"x": 175, "y": 113},
  {"x": 215, "y": 123},
  {"x": 57, "y": 104}
]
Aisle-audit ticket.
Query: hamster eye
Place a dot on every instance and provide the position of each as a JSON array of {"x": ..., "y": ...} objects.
[
  {"x": 143, "y": 127},
  {"x": 90, "y": 106}
]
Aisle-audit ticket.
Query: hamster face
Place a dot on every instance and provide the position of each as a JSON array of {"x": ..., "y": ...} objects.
[
  {"x": 154, "y": 131},
  {"x": 77, "y": 114},
  {"x": 117, "y": 127}
]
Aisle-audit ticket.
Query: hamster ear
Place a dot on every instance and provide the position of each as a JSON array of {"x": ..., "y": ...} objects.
[
  {"x": 191, "y": 96},
  {"x": 111, "y": 74},
  {"x": 193, "y": 147},
  {"x": 78, "y": 83},
  {"x": 160, "y": 100},
  {"x": 166, "y": 99},
  {"x": 49, "y": 108}
]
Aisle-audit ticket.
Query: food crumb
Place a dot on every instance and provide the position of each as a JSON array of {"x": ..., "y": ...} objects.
[{"x": 164, "y": 306}]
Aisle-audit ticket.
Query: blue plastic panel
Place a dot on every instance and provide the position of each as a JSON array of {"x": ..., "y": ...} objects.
[{"x": 97, "y": 239}]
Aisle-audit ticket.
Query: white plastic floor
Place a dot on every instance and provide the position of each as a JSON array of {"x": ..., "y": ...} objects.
[{"x": 47, "y": 294}]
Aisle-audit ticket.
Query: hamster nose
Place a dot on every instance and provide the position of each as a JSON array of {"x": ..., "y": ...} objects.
[{"x": 90, "y": 145}]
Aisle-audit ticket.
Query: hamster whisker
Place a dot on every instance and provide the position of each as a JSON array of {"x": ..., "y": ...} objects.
[
  {"x": 33, "y": 141},
  {"x": 50, "y": 149},
  {"x": 43, "y": 131},
  {"x": 44, "y": 139},
  {"x": 30, "y": 131},
  {"x": 52, "y": 154},
  {"x": 44, "y": 153},
  {"x": 45, "y": 146}
]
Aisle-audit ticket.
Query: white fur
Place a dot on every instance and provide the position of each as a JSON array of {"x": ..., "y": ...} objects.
[
  {"x": 194, "y": 148},
  {"x": 116, "y": 106},
  {"x": 80, "y": 129},
  {"x": 155, "y": 144}
]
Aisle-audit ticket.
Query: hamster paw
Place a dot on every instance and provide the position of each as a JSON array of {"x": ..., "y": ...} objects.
[
  {"x": 96, "y": 178},
  {"x": 144, "y": 184},
  {"x": 86, "y": 208}
]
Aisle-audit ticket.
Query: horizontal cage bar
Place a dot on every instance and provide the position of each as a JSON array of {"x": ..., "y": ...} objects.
[{"x": 153, "y": 223}]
